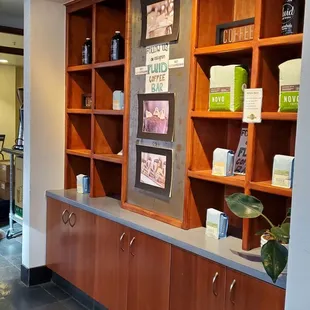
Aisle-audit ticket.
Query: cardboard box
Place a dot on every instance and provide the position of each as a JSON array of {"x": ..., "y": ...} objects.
[
  {"x": 19, "y": 182},
  {"x": 5, "y": 171},
  {"x": 4, "y": 190}
]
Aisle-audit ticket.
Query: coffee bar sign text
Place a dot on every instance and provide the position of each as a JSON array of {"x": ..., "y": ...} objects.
[{"x": 157, "y": 63}]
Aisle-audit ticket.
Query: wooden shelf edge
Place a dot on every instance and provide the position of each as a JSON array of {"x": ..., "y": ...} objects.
[
  {"x": 279, "y": 116},
  {"x": 79, "y": 68},
  {"x": 224, "y": 48},
  {"x": 281, "y": 40},
  {"x": 82, "y": 153},
  {"x": 154, "y": 215},
  {"x": 266, "y": 187},
  {"x": 79, "y": 111},
  {"x": 109, "y": 112},
  {"x": 223, "y": 115},
  {"x": 110, "y": 64},
  {"x": 112, "y": 158},
  {"x": 206, "y": 175}
]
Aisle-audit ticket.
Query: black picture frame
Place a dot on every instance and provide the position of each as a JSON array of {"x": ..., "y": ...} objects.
[
  {"x": 166, "y": 191},
  {"x": 86, "y": 101},
  {"x": 142, "y": 98},
  {"x": 237, "y": 23},
  {"x": 162, "y": 39}
]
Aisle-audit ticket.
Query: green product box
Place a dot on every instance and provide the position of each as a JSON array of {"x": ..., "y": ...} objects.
[
  {"x": 227, "y": 84},
  {"x": 289, "y": 85},
  {"x": 19, "y": 211}
]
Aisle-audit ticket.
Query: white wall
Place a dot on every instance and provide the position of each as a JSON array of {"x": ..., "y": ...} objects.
[
  {"x": 298, "y": 282},
  {"x": 44, "y": 82},
  {"x": 7, "y": 104}
]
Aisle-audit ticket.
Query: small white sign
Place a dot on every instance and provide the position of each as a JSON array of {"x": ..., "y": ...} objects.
[
  {"x": 176, "y": 63},
  {"x": 252, "y": 110},
  {"x": 157, "y": 62},
  {"x": 141, "y": 70}
]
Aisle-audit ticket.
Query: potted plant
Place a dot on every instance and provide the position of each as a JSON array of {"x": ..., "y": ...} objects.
[{"x": 274, "y": 240}]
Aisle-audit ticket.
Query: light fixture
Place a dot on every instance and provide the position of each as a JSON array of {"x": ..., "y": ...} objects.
[{"x": 3, "y": 61}]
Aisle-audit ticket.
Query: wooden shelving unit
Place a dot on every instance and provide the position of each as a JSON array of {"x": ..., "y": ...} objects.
[
  {"x": 95, "y": 136},
  {"x": 209, "y": 130}
]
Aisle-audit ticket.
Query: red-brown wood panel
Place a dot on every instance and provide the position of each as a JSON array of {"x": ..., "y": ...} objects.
[
  {"x": 57, "y": 238},
  {"x": 111, "y": 264},
  {"x": 250, "y": 293},
  {"x": 196, "y": 283},
  {"x": 149, "y": 273},
  {"x": 82, "y": 249}
]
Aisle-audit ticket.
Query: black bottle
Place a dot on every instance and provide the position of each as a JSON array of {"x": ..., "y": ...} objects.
[
  {"x": 291, "y": 17},
  {"x": 117, "y": 47},
  {"x": 87, "y": 52}
]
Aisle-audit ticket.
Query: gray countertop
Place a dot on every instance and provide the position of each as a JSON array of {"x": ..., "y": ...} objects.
[{"x": 227, "y": 251}]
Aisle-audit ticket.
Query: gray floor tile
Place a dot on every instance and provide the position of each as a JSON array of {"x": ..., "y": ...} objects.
[
  {"x": 72, "y": 304},
  {"x": 54, "y": 306},
  {"x": 10, "y": 249},
  {"x": 16, "y": 261},
  {"x": 4, "y": 262},
  {"x": 55, "y": 291},
  {"x": 9, "y": 273}
]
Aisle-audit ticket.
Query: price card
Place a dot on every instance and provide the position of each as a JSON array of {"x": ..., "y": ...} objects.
[{"x": 252, "y": 108}]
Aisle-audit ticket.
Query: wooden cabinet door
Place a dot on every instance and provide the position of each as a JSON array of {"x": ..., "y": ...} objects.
[
  {"x": 111, "y": 264},
  {"x": 57, "y": 238},
  {"x": 196, "y": 283},
  {"x": 244, "y": 292},
  {"x": 82, "y": 249},
  {"x": 149, "y": 273}
]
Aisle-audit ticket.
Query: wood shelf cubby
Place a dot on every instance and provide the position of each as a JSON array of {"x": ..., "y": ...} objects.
[
  {"x": 108, "y": 134},
  {"x": 95, "y": 136},
  {"x": 107, "y": 80},
  {"x": 75, "y": 165},
  {"x": 79, "y": 27},
  {"x": 107, "y": 179},
  {"x": 79, "y": 84},
  {"x": 208, "y": 130}
]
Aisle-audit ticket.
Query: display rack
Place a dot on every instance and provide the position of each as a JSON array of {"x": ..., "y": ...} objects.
[
  {"x": 95, "y": 136},
  {"x": 12, "y": 232},
  {"x": 210, "y": 130}
]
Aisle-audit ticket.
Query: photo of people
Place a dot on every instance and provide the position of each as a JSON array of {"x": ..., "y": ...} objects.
[
  {"x": 160, "y": 17},
  {"x": 160, "y": 21},
  {"x": 153, "y": 169},
  {"x": 155, "y": 117}
]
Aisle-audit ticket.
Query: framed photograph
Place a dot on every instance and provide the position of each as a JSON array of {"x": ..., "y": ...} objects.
[
  {"x": 154, "y": 170},
  {"x": 156, "y": 116},
  {"x": 160, "y": 21},
  {"x": 86, "y": 101}
]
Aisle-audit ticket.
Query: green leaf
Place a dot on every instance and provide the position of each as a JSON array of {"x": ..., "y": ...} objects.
[
  {"x": 261, "y": 232},
  {"x": 274, "y": 258},
  {"x": 244, "y": 206},
  {"x": 282, "y": 233},
  {"x": 286, "y": 228}
]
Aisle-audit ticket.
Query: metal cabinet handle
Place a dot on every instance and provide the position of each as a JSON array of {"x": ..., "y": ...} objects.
[
  {"x": 213, "y": 284},
  {"x": 70, "y": 217},
  {"x": 63, "y": 215},
  {"x": 231, "y": 291},
  {"x": 131, "y": 244},
  {"x": 121, "y": 239}
]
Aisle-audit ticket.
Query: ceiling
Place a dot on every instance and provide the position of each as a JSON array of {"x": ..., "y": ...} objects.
[
  {"x": 12, "y": 7},
  {"x": 13, "y": 60}
]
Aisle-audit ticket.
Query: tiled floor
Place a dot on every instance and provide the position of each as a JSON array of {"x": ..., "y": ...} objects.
[{"x": 14, "y": 295}]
